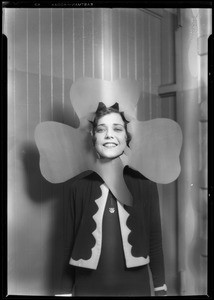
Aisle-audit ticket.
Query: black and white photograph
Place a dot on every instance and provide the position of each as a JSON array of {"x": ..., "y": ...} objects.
[{"x": 107, "y": 149}]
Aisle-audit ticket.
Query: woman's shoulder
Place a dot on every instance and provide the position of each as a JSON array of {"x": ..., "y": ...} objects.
[
  {"x": 84, "y": 179},
  {"x": 139, "y": 184},
  {"x": 83, "y": 187},
  {"x": 135, "y": 179},
  {"x": 133, "y": 173}
]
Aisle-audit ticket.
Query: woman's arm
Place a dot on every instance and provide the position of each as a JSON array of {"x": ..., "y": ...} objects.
[
  {"x": 68, "y": 274},
  {"x": 156, "y": 250}
]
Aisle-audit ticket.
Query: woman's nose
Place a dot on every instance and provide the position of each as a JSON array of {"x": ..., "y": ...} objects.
[{"x": 109, "y": 134}]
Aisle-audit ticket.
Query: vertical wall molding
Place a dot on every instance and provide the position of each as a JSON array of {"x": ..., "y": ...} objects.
[
  {"x": 51, "y": 53},
  {"x": 191, "y": 82},
  {"x": 27, "y": 71},
  {"x": 204, "y": 30},
  {"x": 40, "y": 94},
  {"x": 63, "y": 64}
]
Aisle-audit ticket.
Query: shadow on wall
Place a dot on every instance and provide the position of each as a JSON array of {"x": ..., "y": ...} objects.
[
  {"x": 53, "y": 199},
  {"x": 58, "y": 271}
]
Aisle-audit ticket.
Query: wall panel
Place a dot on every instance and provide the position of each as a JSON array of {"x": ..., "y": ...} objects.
[
  {"x": 79, "y": 43},
  {"x": 123, "y": 43},
  {"x": 69, "y": 62},
  {"x": 116, "y": 45},
  {"x": 88, "y": 43},
  {"x": 98, "y": 55},
  {"x": 167, "y": 109},
  {"x": 139, "y": 45}
]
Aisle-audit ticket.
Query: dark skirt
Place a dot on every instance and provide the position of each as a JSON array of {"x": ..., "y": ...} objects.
[{"x": 112, "y": 278}]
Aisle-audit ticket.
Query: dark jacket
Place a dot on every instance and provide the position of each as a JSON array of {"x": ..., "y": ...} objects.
[{"x": 140, "y": 224}]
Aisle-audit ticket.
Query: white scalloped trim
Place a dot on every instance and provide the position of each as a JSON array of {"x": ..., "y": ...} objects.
[
  {"x": 131, "y": 261},
  {"x": 161, "y": 288},
  {"x": 92, "y": 262}
]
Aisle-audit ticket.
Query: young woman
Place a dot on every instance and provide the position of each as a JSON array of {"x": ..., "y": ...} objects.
[
  {"x": 114, "y": 244},
  {"x": 114, "y": 228}
]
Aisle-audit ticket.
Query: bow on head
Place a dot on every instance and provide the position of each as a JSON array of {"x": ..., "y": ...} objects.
[{"x": 102, "y": 106}]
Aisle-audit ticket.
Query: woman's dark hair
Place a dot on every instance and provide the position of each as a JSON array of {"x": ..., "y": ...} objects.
[{"x": 101, "y": 111}]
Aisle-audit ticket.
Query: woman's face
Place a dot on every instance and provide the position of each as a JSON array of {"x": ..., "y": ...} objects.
[{"x": 110, "y": 136}]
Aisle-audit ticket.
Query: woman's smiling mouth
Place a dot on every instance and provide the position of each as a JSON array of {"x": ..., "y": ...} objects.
[{"x": 110, "y": 145}]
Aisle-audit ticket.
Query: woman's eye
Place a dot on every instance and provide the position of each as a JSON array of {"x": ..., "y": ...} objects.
[
  {"x": 100, "y": 130},
  {"x": 118, "y": 129}
]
